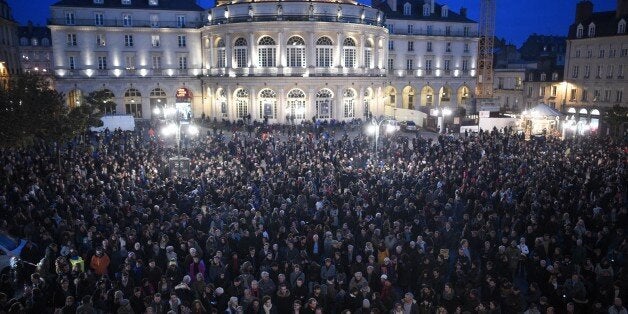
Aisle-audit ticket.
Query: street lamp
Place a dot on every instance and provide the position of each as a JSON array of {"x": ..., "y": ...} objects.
[
  {"x": 174, "y": 128},
  {"x": 375, "y": 126},
  {"x": 441, "y": 114}
]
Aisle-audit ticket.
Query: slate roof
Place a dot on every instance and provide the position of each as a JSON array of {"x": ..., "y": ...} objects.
[
  {"x": 417, "y": 12},
  {"x": 39, "y": 32},
  {"x": 179, "y": 5},
  {"x": 605, "y": 25}
]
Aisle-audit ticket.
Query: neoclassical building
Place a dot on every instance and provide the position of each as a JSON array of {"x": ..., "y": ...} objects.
[
  {"x": 264, "y": 60},
  {"x": 9, "y": 61}
]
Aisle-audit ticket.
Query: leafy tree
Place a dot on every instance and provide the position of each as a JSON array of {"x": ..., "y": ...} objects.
[{"x": 617, "y": 117}]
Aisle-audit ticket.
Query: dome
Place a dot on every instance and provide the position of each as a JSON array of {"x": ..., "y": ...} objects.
[{"x": 226, "y": 2}]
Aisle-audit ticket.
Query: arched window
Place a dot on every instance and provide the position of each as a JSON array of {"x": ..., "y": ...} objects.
[
  {"x": 579, "y": 31},
  {"x": 45, "y": 42},
  {"x": 368, "y": 54},
  {"x": 133, "y": 102},
  {"x": 24, "y": 41},
  {"x": 426, "y": 9},
  {"x": 407, "y": 9},
  {"x": 444, "y": 11},
  {"x": 242, "y": 103},
  {"x": 296, "y": 104},
  {"x": 591, "y": 30},
  {"x": 157, "y": 101},
  {"x": 324, "y": 52},
  {"x": 348, "y": 50},
  {"x": 34, "y": 42},
  {"x": 621, "y": 27},
  {"x": 221, "y": 58},
  {"x": 266, "y": 52},
  {"x": 348, "y": 103},
  {"x": 296, "y": 52},
  {"x": 268, "y": 104},
  {"x": 240, "y": 52},
  {"x": 324, "y": 103}
]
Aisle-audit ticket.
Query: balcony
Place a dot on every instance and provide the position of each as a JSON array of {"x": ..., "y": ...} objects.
[
  {"x": 123, "y": 23},
  {"x": 425, "y": 32},
  {"x": 296, "y": 17}
]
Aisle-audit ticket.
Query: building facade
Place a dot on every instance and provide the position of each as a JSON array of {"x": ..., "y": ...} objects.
[
  {"x": 35, "y": 49},
  {"x": 9, "y": 61},
  {"x": 264, "y": 60},
  {"x": 508, "y": 89},
  {"x": 597, "y": 57}
]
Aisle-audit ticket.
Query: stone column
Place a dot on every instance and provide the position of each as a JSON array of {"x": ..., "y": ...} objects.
[
  {"x": 228, "y": 49},
  {"x": 310, "y": 50},
  {"x": 338, "y": 55}
]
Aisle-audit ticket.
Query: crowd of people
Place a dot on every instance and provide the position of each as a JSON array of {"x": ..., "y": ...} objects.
[{"x": 271, "y": 222}]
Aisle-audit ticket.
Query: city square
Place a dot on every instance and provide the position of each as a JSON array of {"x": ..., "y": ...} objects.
[{"x": 311, "y": 157}]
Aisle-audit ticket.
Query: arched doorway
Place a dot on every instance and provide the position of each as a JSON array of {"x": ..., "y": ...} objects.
[
  {"x": 445, "y": 96},
  {"x": 295, "y": 110},
  {"x": 348, "y": 103},
  {"x": 408, "y": 97},
  {"x": 595, "y": 119},
  {"x": 183, "y": 103},
  {"x": 75, "y": 98},
  {"x": 133, "y": 102},
  {"x": 324, "y": 104},
  {"x": 157, "y": 102},
  {"x": 268, "y": 104},
  {"x": 390, "y": 94},
  {"x": 242, "y": 103},
  {"x": 427, "y": 96},
  {"x": 463, "y": 95}
]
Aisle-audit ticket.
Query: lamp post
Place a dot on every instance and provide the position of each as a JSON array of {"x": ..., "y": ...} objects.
[
  {"x": 174, "y": 128},
  {"x": 375, "y": 126},
  {"x": 441, "y": 114}
]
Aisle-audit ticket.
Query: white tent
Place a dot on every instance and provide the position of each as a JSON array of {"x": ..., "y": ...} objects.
[
  {"x": 540, "y": 119},
  {"x": 543, "y": 110}
]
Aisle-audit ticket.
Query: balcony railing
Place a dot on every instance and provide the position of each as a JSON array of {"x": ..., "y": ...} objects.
[
  {"x": 425, "y": 32},
  {"x": 296, "y": 17},
  {"x": 126, "y": 23}
]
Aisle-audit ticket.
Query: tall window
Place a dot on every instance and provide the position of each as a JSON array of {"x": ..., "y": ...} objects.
[
  {"x": 324, "y": 51},
  {"x": 410, "y": 28},
  {"x": 409, "y": 64},
  {"x": 182, "y": 41},
  {"x": 591, "y": 30},
  {"x": 133, "y": 102},
  {"x": 465, "y": 66},
  {"x": 154, "y": 20},
  {"x": 101, "y": 40},
  {"x": 391, "y": 45},
  {"x": 69, "y": 18},
  {"x": 221, "y": 59},
  {"x": 429, "y": 46},
  {"x": 71, "y": 63},
  {"x": 155, "y": 40},
  {"x": 348, "y": 101},
  {"x": 579, "y": 31},
  {"x": 156, "y": 64},
  {"x": 102, "y": 63},
  {"x": 621, "y": 27},
  {"x": 180, "y": 20},
  {"x": 295, "y": 51},
  {"x": 465, "y": 31},
  {"x": 266, "y": 52},
  {"x": 129, "y": 62},
  {"x": 268, "y": 104},
  {"x": 71, "y": 40},
  {"x": 183, "y": 63},
  {"x": 587, "y": 71},
  {"x": 426, "y": 10},
  {"x": 324, "y": 99},
  {"x": 447, "y": 66},
  {"x": 410, "y": 46},
  {"x": 447, "y": 30},
  {"x": 368, "y": 55},
  {"x": 349, "y": 52},
  {"x": 428, "y": 67},
  {"x": 391, "y": 64},
  {"x": 128, "y": 40},
  {"x": 127, "y": 20},
  {"x": 99, "y": 19},
  {"x": 240, "y": 53},
  {"x": 448, "y": 47},
  {"x": 242, "y": 103},
  {"x": 407, "y": 9},
  {"x": 296, "y": 104}
]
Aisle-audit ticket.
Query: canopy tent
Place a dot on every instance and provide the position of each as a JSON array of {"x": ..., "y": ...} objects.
[
  {"x": 540, "y": 119},
  {"x": 543, "y": 110}
]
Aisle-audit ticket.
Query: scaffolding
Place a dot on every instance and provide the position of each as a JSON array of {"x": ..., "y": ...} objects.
[{"x": 484, "y": 86}]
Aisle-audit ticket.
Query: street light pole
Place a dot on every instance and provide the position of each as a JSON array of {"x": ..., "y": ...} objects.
[{"x": 375, "y": 129}]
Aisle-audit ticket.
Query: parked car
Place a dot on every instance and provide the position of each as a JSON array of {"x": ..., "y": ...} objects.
[
  {"x": 9, "y": 247},
  {"x": 409, "y": 126}
]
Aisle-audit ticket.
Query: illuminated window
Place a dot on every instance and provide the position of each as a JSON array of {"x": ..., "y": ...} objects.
[
  {"x": 349, "y": 52},
  {"x": 324, "y": 51},
  {"x": 295, "y": 49},
  {"x": 266, "y": 52},
  {"x": 240, "y": 52}
]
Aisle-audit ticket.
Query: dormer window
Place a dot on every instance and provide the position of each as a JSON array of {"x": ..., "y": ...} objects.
[
  {"x": 407, "y": 9},
  {"x": 426, "y": 9},
  {"x": 153, "y": 2},
  {"x": 543, "y": 77},
  {"x": 444, "y": 11},
  {"x": 591, "y": 30},
  {"x": 126, "y": 2},
  {"x": 554, "y": 76},
  {"x": 99, "y": 1},
  {"x": 579, "y": 31},
  {"x": 621, "y": 27}
]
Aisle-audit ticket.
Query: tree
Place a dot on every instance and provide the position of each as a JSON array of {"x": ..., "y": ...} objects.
[
  {"x": 617, "y": 118},
  {"x": 31, "y": 111}
]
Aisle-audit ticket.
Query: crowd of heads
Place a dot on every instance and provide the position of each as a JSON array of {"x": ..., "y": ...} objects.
[{"x": 308, "y": 222}]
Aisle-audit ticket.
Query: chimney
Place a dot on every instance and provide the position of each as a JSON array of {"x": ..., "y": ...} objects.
[
  {"x": 392, "y": 4},
  {"x": 463, "y": 12},
  {"x": 622, "y": 8},
  {"x": 432, "y": 6},
  {"x": 584, "y": 10}
]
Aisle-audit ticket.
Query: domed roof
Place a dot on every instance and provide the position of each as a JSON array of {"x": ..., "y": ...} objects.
[{"x": 226, "y": 2}]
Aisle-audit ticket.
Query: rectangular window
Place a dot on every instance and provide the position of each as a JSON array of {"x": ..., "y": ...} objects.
[
  {"x": 410, "y": 46},
  {"x": 99, "y": 19},
  {"x": 587, "y": 71},
  {"x": 447, "y": 66},
  {"x": 154, "y": 20},
  {"x": 599, "y": 72},
  {"x": 410, "y": 29},
  {"x": 572, "y": 95},
  {"x": 155, "y": 40},
  {"x": 69, "y": 18},
  {"x": 133, "y": 109},
  {"x": 409, "y": 64},
  {"x": 430, "y": 29},
  {"x": 126, "y": 2},
  {"x": 529, "y": 91},
  {"x": 542, "y": 91},
  {"x": 554, "y": 91},
  {"x": 624, "y": 52},
  {"x": 156, "y": 64},
  {"x": 221, "y": 58},
  {"x": 607, "y": 95},
  {"x": 183, "y": 63},
  {"x": 620, "y": 71},
  {"x": 428, "y": 67},
  {"x": 611, "y": 53},
  {"x": 596, "y": 95},
  {"x": 619, "y": 96},
  {"x": 589, "y": 54},
  {"x": 129, "y": 62},
  {"x": 128, "y": 40},
  {"x": 102, "y": 63},
  {"x": 180, "y": 20},
  {"x": 585, "y": 95},
  {"x": 609, "y": 71},
  {"x": 448, "y": 47},
  {"x": 324, "y": 57},
  {"x": 465, "y": 66},
  {"x": 368, "y": 56},
  {"x": 447, "y": 30},
  {"x": 241, "y": 52},
  {"x": 466, "y": 47},
  {"x": 349, "y": 56},
  {"x": 71, "y": 63},
  {"x": 429, "y": 46},
  {"x": 391, "y": 64},
  {"x": 127, "y": 20},
  {"x": 181, "y": 40},
  {"x": 578, "y": 53},
  {"x": 267, "y": 57},
  {"x": 71, "y": 40},
  {"x": 601, "y": 55},
  {"x": 574, "y": 71},
  {"x": 465, "y": 31},
  {"x": 101, "y": 40},
  {"x": 391, "y": 45}
]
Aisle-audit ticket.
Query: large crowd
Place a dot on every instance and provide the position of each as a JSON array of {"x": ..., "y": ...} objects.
[{"x": 308, "y": 222}]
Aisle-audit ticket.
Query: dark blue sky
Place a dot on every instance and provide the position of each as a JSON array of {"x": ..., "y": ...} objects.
[{"x": 516, "y": 19}]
